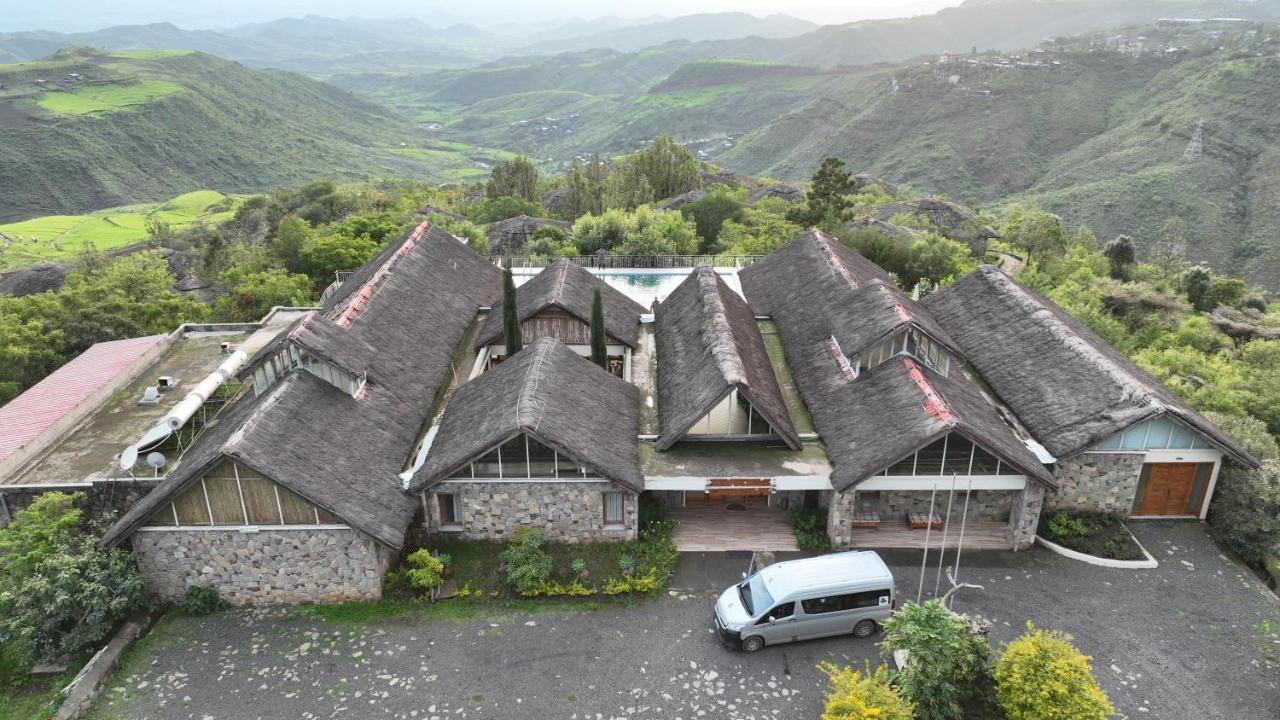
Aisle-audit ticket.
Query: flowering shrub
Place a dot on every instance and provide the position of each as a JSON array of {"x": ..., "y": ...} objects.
[
  {"x": 1042, "y": 676},
  {"x": 853, "y": 695}
]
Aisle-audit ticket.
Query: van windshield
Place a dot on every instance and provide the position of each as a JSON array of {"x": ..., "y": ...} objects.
[{"x": 754, "y": 595}]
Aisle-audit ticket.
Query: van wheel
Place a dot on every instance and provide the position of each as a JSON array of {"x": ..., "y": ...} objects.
[
  {"x": 864, "y": 628},
  {"x": 752, "y": 644}
]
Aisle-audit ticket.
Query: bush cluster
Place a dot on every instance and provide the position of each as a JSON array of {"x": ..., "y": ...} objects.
[
  {"x": 1042, "y": 675},
  {"x": 810, "y": 528},
  {"x": 868, "y": 695}
]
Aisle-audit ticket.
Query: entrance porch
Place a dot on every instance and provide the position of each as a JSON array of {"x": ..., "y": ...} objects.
[
  {"x": 741, "y": 523},
  {"x": 978, "y": 535}
]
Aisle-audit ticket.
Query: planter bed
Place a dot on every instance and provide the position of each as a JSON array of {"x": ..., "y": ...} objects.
[{"x": 1100, "y": 535}]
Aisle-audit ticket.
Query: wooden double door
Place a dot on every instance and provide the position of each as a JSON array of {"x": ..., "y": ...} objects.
[{"x": 1169, "y": 489}]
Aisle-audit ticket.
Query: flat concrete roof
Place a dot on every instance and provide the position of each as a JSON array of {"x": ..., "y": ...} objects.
[{"x": 89, "y": 451}]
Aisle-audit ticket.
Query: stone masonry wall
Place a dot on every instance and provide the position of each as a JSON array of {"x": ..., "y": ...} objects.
[
  {"x": 1026, "y": 516},
  {"x": 1097, "y": 481},
  {"x": 566, "y": 511},
  {"x": 267, "y": 567}
]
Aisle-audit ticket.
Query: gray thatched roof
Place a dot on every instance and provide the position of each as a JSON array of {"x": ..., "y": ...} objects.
[
  {"x": 816, "y": 289},
  {"x": 709, "y": 344},
  {"x": 1067, "y": 385},
  {"x": 568, "y": 286},
  {"x": 400, "y": 323},
  {"x": 509, "y": 236},
  {"x": 554, "y": 395}
]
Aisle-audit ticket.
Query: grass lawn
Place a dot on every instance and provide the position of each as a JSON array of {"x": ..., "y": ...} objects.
[
  {"x": 27, "y": 697},
  {"x": 93, "y": 99},
  {"x": 60, "y": 238}
]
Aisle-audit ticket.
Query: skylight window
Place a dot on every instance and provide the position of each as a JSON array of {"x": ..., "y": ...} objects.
[
  {"x": 294, "y": 357},
  {"x": 910, "y": 341}
]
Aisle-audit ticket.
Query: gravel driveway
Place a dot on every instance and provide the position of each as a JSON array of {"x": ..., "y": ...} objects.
[{"x": 1189, "y": 640}]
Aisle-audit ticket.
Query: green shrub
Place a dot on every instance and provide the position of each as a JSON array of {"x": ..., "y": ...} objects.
[
  {"x": 1120, "y": 547},
  {"x": 528, "y": 562},
  {"x": 201, "y": 600},
  {"x": 1245, "y": 515},
  {"x": 60, "y": 592},
  {"x": 651, "y": 511},
  {"x": 948, "y": 659},
  {"x": 810, "y": 528},
  {"x": 853, "y": 695},
  {"x": 1042, "y": 675},
  {"x": 423, "y": 572},
  {"x": 1065, "y": 526}
]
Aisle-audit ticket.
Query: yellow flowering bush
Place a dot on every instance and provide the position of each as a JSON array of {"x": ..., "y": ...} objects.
[
  {"x": 854, "y": 695},
  {"x": 1042, "y": 676}
]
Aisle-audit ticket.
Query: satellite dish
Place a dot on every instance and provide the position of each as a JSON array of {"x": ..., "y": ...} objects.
[
  {"x": 155, "y": 436},
  {"x": 129, "y": 457},
  {"x": 156, "y": 460}
]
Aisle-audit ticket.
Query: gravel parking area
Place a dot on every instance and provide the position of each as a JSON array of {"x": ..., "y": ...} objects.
[{"x": 1196, "y": 638}]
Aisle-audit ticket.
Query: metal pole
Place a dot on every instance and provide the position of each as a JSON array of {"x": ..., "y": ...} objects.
[
  {"x": 946, "y": 528},
  {"x": 928, "y": 526},
  {"x": 964, "y": 516}
]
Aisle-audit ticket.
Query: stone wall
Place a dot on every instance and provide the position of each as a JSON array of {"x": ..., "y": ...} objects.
[
  {"x": 266, "y": 567},
  {"x": 1097, "y": 481},
  {"x": 566, "y": 511},
  {"x": 1026, "y": 516}
]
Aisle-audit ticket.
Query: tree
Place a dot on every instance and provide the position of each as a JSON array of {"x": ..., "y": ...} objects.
[
  {"x": 827, "y": 199},
  {"x": 324, "y": 255},
  {"x": 1121, "y": 256},
  {"x": 1225, "y": 291},
  {"x": 936, "y": 259},
  {"x": 1195, "y": 282},
  {"x": 1042, "y": 675},
  {"x": 599, "y": 353},
  {"x": 494, "y": 209},
  {"x": 1245, "y": 514},
  {"x": 253, "y": 294},
  {"x": 291, "y": 235},
  {"x": 710, "y": 212},
  {"x": 667, "y": 167},
  {"x": 516, "y": 178},
  {"x": 947, "y": 658},
  {"x": 644, "y": 232},
  {"x": 513, "y": 336},
  {"x": 853, "y": 695},
  {"x": 59, "y": 591},
  {"x": 584, "y": 188},
  {"x": 1034, "y": 230}
]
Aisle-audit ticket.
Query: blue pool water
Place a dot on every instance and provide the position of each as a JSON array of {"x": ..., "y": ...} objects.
[{"x": 643, "y": 286}]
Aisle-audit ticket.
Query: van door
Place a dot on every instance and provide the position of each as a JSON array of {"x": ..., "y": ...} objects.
[
  {"x": 829, "y": 615},
  {"x": 777, "y": 626}
]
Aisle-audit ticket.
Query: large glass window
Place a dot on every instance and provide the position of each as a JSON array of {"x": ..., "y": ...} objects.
[
  {"x": 233, "y": 495},
  {"x": 1160, "y": 433},
  {"x": 953, "y": 454}
]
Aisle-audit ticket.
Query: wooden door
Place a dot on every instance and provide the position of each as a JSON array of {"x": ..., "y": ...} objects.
[{"x": 1168, "y": 489}]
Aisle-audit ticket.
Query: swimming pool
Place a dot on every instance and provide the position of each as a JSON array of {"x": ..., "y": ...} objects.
[{"x": 643, "y": 286}]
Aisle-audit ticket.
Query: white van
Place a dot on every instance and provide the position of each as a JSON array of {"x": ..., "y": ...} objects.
[{"x": 847, "y": 593}]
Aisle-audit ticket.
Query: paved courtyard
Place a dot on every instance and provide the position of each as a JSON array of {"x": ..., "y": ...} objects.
[{"x": 1197, "y": 638}]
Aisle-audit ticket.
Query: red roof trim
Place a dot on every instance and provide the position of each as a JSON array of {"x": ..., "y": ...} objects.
[{"x": 933, "y": 402}]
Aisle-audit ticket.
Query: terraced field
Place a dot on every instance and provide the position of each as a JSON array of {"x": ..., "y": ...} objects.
[{"x": 60, "y": 238}]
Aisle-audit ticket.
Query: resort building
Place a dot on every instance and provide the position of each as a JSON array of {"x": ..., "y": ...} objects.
[{"x": 326, "y": 442}]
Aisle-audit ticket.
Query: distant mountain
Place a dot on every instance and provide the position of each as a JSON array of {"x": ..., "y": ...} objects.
[
  {"x": 90, "y": 129},
  {"x": 705, "y": 26}
]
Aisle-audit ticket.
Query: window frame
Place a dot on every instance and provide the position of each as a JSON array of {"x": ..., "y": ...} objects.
[
  {"x": 621, "y": 520},
  {"x": 453, "y": 501}
]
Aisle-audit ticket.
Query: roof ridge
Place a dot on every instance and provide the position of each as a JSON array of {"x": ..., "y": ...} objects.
[
  {"x": 717, "y": 333},
  {"x": 361, "y": 297},
  {"x": 837, "y": 265},
  {"x": 1072, "y": 340},
  {"x": 934, "y": 404},
  {"x": 557, "y": 287},
  {"x": 528, "y": 407}
]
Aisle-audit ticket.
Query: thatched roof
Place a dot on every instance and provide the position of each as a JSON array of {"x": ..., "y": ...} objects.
[
  {"x": 554, "y": 395},
  {"x": 1067, "y": 385},
  {"x": 708, "y": 345},
  {"x": 399, "y": 319},
  {"x": 816, "y": 289},
  {"x": 789, "y": 193},
  {"x": 509, "y": 236},
  {"x": 568, "y": 286}
]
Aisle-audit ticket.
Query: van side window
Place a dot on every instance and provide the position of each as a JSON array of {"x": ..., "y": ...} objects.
[
  {"x": 837, "y": 603},
  {"x": 784, "y": 610}
]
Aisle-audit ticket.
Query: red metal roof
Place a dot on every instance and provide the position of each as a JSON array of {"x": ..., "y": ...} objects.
[{"x": 43, "y": 404}]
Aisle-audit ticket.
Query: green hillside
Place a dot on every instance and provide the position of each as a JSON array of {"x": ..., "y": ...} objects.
[
  {"x": 60, "y": 238},
  {"x": 1097, "y": 138},
  {"x": 89, "y": 130}
]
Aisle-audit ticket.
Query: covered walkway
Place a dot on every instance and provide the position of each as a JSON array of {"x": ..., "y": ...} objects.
[
  {"x": 721, "y": 526},
  {"x": 978, "y": 535}
]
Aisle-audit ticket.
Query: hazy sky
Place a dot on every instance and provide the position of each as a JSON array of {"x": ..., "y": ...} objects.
[{"x": 78, "y": 15}]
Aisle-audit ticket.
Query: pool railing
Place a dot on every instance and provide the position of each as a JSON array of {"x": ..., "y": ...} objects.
[{"x": 625, "y": 262}]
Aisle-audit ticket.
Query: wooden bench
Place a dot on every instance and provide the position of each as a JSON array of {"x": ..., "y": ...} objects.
[
  {"x": 866, "y": 520},
  {"x": 921, "y": 521}
]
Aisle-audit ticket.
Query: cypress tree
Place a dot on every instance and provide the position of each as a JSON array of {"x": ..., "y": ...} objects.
[
  {"x": 599, "y": 354},
  {"x": 510, "y": 320}
]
